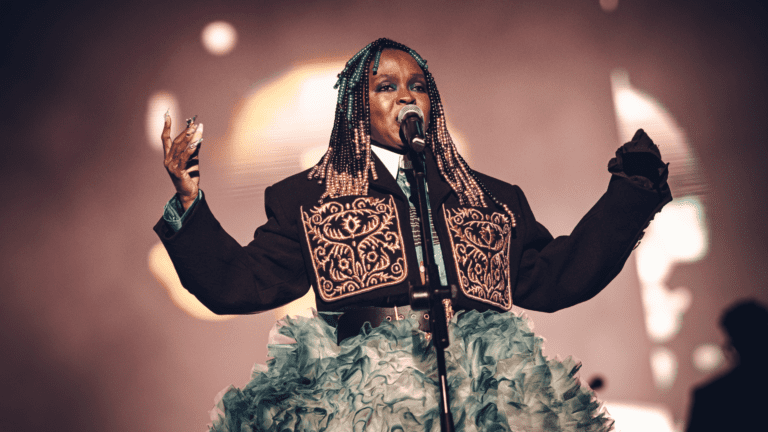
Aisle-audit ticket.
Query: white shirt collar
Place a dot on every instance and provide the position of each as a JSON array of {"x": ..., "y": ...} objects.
[{"x": 391, "y": 160}]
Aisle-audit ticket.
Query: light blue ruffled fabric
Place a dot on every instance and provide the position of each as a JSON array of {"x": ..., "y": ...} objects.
[{"x": 384, "y": 379}]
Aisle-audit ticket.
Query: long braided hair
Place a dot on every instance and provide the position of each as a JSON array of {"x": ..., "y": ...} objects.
[{"x": 348, "y": 163}]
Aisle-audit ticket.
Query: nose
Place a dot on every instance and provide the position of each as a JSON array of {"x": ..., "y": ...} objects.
[{"x": 405, "y": 97}]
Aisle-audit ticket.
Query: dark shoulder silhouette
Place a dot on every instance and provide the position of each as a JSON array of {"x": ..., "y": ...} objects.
[{"x": 736, "y": 401}]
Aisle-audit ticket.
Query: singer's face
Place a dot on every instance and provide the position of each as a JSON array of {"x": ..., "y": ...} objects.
[{"x": 398, "y": 82}]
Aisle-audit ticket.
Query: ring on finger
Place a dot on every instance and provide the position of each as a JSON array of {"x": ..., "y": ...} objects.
[{"x": 195, "y": 144}]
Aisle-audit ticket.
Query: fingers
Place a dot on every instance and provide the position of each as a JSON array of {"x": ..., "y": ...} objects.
[
  {"x": 196, "y": 139},
  {"x": 192, "y": 165},
  {"x": 182, "y": 160},
  {"x": 182, "y": 147},
  {"x": 170, "y": 148},
  {"x": 165, "y": 136},
  {"x": 184, "y": 144},
  {"x": 639, "y": 135},
  {"x": 186, "y": 134},
  {"x": 191, "y": 142}
]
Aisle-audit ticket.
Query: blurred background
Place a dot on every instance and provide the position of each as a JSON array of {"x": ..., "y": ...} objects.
[{"x": 97, "y": 335}]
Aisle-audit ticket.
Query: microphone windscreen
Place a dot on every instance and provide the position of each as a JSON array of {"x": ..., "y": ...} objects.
[{"x": 408, "y": 109}]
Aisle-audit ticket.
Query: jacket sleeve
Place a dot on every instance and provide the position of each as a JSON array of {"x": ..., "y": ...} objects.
[
  {"x": 232, "y": 279},
  {"x": 558, "y": 273}
]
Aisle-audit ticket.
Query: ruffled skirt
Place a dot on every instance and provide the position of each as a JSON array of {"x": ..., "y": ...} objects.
[{"x": 384, "y": 379}]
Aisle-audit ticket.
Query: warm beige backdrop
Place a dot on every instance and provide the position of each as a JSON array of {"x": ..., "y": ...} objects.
[{"x": 92, "y": 342}]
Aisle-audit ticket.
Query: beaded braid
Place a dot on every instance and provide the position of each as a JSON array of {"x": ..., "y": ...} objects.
[{"x": 347, "y": 174}]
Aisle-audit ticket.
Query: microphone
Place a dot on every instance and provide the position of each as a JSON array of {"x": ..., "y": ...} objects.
[{"x": 411, "y": 121}]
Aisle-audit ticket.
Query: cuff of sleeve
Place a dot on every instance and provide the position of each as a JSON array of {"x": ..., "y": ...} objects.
[{"x": 174, "y": 214}]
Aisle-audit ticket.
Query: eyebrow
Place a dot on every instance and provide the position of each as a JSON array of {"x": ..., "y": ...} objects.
[{"x": 389, "y": 76}]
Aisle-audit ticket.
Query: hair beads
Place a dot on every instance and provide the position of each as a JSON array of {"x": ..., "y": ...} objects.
[{"x": 347, "y": 164}]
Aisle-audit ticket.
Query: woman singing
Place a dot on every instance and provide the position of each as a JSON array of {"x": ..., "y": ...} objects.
[{"x": 348, "y": 228}]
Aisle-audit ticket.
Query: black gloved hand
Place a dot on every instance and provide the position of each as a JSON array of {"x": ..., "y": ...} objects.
[{"x": 640, "y": 158}]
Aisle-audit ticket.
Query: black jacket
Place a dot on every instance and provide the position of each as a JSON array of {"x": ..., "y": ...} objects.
[{"x": 361, "y": 248}]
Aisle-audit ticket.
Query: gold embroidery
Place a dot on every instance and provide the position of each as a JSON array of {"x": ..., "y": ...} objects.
[
  {"x": 356, "y": 245},
  {"x": 480, "y": 243},
  {"x": 448, "y": 307}
]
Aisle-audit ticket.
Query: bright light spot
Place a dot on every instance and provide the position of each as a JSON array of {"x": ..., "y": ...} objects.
[
  {"x": 640, "y": 417},
  {"x": 162, "y": 268},
  {"x": 609, "y": 5},
  {"x": 664, "y": 311},
  {"x": 681, "y": 230},
  {"x": 677, "y": 235},
  {"x": 219, "y": 37},
  {"x": 157, "y": 105},
  {"x": 707, "y": 357},
  {"x": 664, "y": 367},
  {"x": 634, "y": 105}
]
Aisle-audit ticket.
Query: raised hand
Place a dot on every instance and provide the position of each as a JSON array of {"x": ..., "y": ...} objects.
[
  {"x": 640, "y": 157},
  {"x": 182, "y": 159}
]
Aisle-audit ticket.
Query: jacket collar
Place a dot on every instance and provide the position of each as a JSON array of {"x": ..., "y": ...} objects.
[
  {"x": 439, "y": 189},
  {"x": 385, "y": 180}
]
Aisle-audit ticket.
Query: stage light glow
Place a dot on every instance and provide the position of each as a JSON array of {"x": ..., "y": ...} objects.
[
  {"x": 636, "y": 109},
  {"x": 664, "y": 311},
  {"x": 678, "y": 234},
  {"x": 640, "y": 417},
  {"x": 157, "y": 105},
  {"x": 283, "y": 126},
  {"x": 162, "y": 268},
  {"x": 219, "y": 37},
  {"x": 707, "y": 357},
  {"x": 311, "y": 156},
  {"x": 609, "y": 5},
  {"x": 682, "y": 230},
  {"x": 276, "y": 124},
  {"x": 637, "y": 106},
  {"x": 664, "y": 367}
]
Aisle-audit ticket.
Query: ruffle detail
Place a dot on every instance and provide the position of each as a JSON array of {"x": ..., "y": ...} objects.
[{"x": 384, "y": 379}]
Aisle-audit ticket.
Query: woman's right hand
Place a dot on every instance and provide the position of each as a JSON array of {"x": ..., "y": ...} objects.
[{"x": 181, "y": 159}]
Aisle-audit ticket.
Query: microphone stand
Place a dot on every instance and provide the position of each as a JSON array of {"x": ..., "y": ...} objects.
[{"x": 430, "y": 296}]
